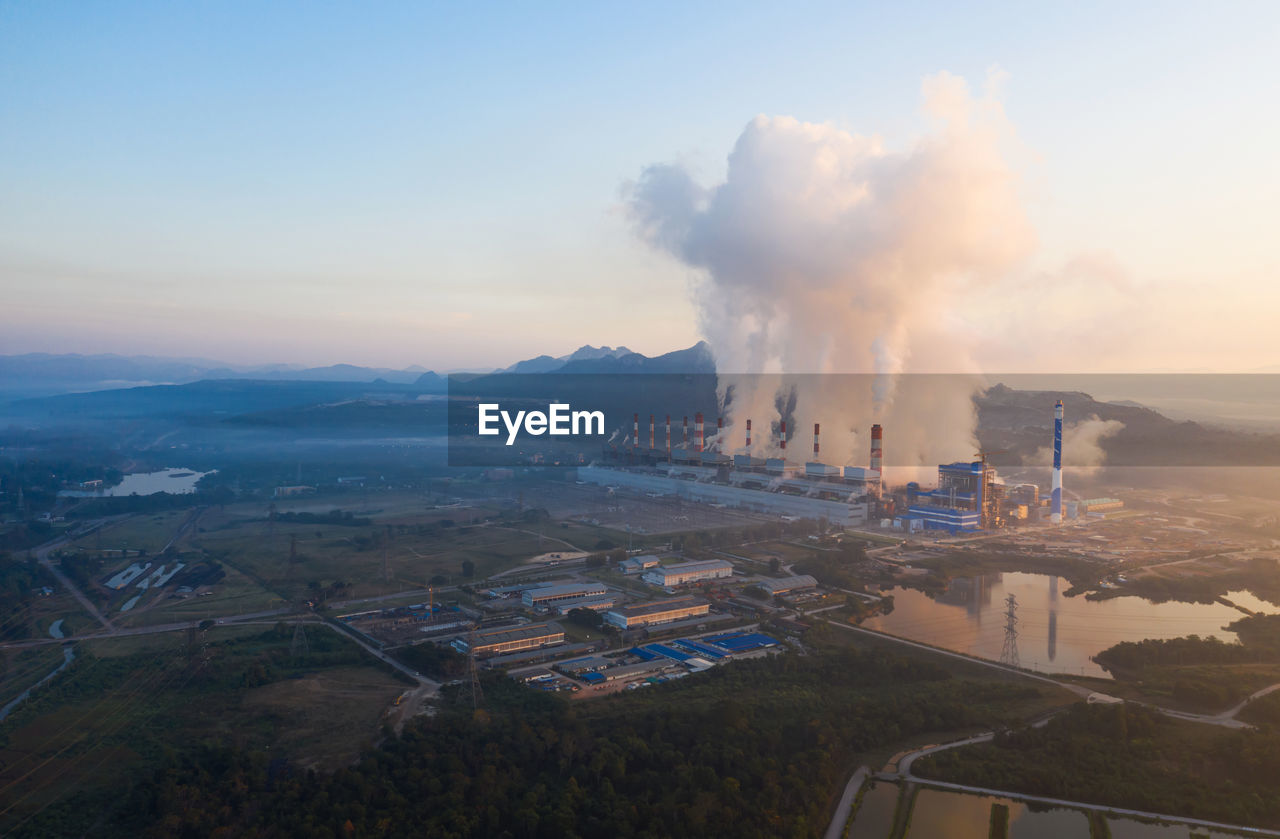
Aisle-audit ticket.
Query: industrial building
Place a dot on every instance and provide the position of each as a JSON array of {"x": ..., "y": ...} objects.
[
  {"x": 595, "y": 604},
  {"x": 969, "y": 496},
  {"x": 637, "y": 564},
  {"x": 813, "y": 490},
  {"x": 1093, "y": 506},
  {"x": 786, "y": 585},
  {"x": 547, "y": 595},
  {"x": 688, "y": 572},
  {"x": 509, "y": 639},
  {"x": 758, "y": 491},
  {"x": 659, "y": 611}
]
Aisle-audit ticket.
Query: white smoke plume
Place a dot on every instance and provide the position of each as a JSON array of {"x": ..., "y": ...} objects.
[
  {"x": 825, "y": 252},
  {"x": 1081, "y": 445}
]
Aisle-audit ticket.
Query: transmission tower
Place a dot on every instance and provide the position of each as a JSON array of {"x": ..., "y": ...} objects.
[
  {"x": 299, "y": 646},
  {"x": 1009, "y": 653}
]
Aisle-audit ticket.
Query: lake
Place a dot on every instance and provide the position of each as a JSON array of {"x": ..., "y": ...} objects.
[
  {"x": 172, "y": 481},
  {"x": 1056, "y": 634}
]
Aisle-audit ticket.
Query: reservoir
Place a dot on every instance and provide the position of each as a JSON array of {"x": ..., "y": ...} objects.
[
  {"x": 172, "y": 481},
  {"x": 1055, "y": 634}
]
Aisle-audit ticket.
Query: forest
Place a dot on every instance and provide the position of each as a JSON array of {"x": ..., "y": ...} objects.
[
  {"x": 1129, "y": 756},
  {"x": 754, "y": 749},
  {"x": 1201, "y": 674}
]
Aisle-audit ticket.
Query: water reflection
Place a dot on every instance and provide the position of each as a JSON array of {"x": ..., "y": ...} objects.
[
  {"x": 874, "y": 816},
  {"x": 940, "y": 814},
  {"x": 1055, "y": 633}
]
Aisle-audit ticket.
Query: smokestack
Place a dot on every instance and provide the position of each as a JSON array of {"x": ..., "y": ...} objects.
[
  {"x": 1055, "y": 500},
  {"x": 635, "y": 431},
  {"x": 685, "y": 443},
  {"x": 651, "y": 432},
  {"x": 719, "y": 434},
  {"x": 784, "y": 438},
  {"x": 748, "y": 436},
  {"x": 668, "y": 435},
  {"x": 697, "y": 432},
  {"x": 815, "y": 441},
  {"x": 877, "y": 449}
]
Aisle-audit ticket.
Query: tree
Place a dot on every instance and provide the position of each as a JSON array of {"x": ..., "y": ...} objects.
[
  {"x": 589, "y": 618},
  {"x": 468, "y": 568}
]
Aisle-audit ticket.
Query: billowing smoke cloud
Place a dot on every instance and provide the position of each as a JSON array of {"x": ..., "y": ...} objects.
[
  {"x": 1081, "y": 445},
  {"x": 825, "y": 252}
]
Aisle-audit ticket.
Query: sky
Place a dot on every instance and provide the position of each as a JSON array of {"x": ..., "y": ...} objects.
[{"x": 447, "y": 185}]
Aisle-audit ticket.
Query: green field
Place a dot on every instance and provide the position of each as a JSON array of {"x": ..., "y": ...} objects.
[{"x": 127, "y": 704}]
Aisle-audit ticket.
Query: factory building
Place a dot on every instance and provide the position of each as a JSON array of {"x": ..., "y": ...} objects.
[
  {"x": 786, "y": 585},
  {"x": 1091, "y": 506},
  {"x": 547, "y": 595},
  {"x": 752, "y": 488},
  {"x": 637, "y": 564},
  {"x": 509, "y": 639},
  {"x": 688, "y": 572},
  {"x": 659, "y": 611},
  {"x": 595, "y": 604}
]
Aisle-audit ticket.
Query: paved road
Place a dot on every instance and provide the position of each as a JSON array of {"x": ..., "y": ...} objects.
[
  {"x": 1257, "y": 694},
  {"x": 836, "y": 829},
  {"x": 42, "y": 556}
]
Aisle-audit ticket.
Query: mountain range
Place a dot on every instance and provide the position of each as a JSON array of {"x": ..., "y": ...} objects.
[{"x": 43, "y": 374}]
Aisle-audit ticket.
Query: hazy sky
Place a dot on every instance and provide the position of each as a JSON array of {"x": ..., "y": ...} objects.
[{"x": 402, "y": 184}]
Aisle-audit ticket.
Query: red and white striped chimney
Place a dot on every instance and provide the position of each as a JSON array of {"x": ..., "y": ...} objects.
[
  {"x": 668, "y": 435},
  {"x": 748, "y": 435},
  {"x": 784, "y": 435},
  {"x": 877, "y": 449},
  {"x": 635, "y": 431},
  {"x": 697, "y": 432},
  {"x": 815, "y": 441},
  {"x": 719, "y": 434},
  {"x": 651, "y": 432}
]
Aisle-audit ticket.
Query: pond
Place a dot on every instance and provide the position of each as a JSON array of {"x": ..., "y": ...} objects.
[
  {"x": 1055, "y": 634},
  {"x": 172, "y": 481}
]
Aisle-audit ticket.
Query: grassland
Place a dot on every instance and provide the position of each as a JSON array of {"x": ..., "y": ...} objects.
[{"x": 128, "y": 704}]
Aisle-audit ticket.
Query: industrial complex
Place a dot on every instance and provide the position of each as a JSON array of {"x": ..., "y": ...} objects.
[{"x": 969, "y": 496}]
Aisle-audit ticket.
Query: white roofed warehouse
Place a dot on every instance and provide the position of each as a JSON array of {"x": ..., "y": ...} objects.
[
  {"x": 786, "y": 585},
  {"x": 509, "y": 639},
  {"x": 688, "y": 572},
  {"x": 658, "y": 611},
  {"x": 548, "y": 595}
]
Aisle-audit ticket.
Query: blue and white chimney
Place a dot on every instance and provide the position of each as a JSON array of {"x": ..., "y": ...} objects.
[{"x": 1055, "y": 500}]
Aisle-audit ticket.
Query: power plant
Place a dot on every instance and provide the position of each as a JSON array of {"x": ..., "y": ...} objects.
[
  {"x": 969, "y": 497},
  {"x": 1055, "y": 498}
]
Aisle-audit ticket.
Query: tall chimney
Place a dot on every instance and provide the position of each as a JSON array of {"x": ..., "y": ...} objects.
[
  {"x": 685, "y": 442},
  {"x": 668, "y": 435},
  {"x": 815, "y": 441},
  {"x": 635, "y": 431},
  {"x": 877, "y": 449},
  {"x": 697, "y": 432},
  {"x": 1055, "y": 500},
  {"x": 748, "y": 436},
  {"x": 719, "y": 434},
  {"x": 651, "y": 432},
  {"x": 784, "y": 437}
]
